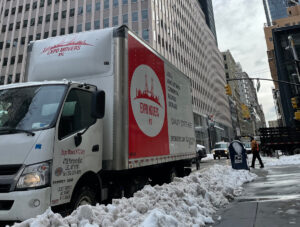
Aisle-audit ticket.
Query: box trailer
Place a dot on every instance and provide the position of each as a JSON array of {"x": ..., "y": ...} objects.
[{"x": 101, "y": 115}]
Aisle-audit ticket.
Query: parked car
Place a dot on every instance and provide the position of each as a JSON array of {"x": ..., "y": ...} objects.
[
  {"x": 247, "y": 146},
  {"x": 221, "y": 150}
]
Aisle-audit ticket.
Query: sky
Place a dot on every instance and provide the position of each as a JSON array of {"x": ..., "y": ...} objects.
[{"x": 239, "y": 25}]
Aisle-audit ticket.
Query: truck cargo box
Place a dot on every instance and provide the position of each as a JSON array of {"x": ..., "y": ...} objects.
[{"x": 149, "y": 118}]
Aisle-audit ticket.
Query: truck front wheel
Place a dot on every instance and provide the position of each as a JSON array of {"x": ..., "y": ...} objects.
[{"x": 84, "y": 196}]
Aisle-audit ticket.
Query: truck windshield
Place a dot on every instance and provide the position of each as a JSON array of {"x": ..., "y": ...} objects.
[{"x": 29, "y": 108}]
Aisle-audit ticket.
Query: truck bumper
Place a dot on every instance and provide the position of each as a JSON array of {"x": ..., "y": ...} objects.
[{"x": 21, "y": 205}]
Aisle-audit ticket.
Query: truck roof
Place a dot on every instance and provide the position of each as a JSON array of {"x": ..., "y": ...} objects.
[{"x": 27, "y": 84}]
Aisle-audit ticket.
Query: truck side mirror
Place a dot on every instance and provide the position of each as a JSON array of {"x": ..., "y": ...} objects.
[{"x": 98, "y": 105}]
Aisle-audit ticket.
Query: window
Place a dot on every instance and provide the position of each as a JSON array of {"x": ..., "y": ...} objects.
[
  {"x": 49, "y": 2},
  {"x": 30, "y": 38},
  {"x": 76, "y": 113},
  {"x": 12, "y": 60},
  {"x": 88, "y": 26},
  {"x": 23, "y": 40},
  {"x": 133, "y": 1},
  {"x": 97, "y": 24},
  {"x": 9, "y": 79},
  {"x": 134, "y": 16},
  {"x": 105, "y": 23},
  {"x": 27, "y": 6},
  {"x": 55, "y": 16},
  {"x": 115, "y": 20},
  {"x": 20, "y": 58},
  {"x": 11, "y": 26},
  {"x": 48, "y": 16},
  {"x": 34, "y": 5},
  {"x": 72, "y": 12},
  {"x": 125, "y": 19},
  {"x": 106, "y": 4},
  {"x": 226, "y": 66},
  {"x": 42, "y": 3},
  {"x": 54, "y": 33},
  {"x": 80, "y": 10},
  {"x": 25, "y": 23},
  {"x": 17, "y": 78},
  {"x": 40, "y": 19},
  {"x": 64, "y": 14},
  {"x": 98, "y": 5},
  {"x": 79, "y": 27},
  {"x": 46, "y": 35},
  {"x": 125, "y": 2},
  {"x": 116, "y": 3},
  {"x": 1, "y": 80},
  {"x": 5, "y": 62},
  {"x": 13, "y": 11},
  {"x": 145, "y": 34},
  {"x": 3, "y": 28},
  {"x": 6, "y": 12},
  {"x": 1, "y": 45},
  {"x": 71, "y": 29},
  {"x": 88, "y": 8},
  {"x": 32, "y": 21},
  {"x": 20, "y": 9},
  {"x": 62, "y": 31},
  {"x": 145, "y": 14},
  {"x": 18, "y": 25}
]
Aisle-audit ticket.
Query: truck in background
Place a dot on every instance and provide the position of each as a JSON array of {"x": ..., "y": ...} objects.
[
  {"x": 127, "y": 119},
  {"x": 285, "y": 139}
]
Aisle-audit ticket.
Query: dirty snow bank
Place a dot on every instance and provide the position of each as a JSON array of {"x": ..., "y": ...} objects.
[
  {"x": 283, "y": 160},
  {"x": 189, "y": 201}
]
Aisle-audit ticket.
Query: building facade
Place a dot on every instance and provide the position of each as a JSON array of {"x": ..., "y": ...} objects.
[
  {"x": 292, "y": 19},
  {"x": 277, "y": 9},
  {"x": 174, "y": 28},
  {"x": 207, "y": 8}
]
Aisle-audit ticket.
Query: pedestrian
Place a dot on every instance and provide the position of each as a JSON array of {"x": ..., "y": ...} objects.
[{"x": 255, "y": 152}]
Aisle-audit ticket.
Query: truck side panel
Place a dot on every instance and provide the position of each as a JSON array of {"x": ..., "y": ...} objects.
[{"x": 161, "y": 127}]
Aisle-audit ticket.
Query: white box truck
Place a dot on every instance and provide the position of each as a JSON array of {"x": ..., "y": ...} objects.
[{"x": 126, "y": 121}]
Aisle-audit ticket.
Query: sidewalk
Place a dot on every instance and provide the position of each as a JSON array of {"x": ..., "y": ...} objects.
[{"x": 273, "y": 199}]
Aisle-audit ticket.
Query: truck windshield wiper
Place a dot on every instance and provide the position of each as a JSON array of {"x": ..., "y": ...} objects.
[{"x": 17, "y": 130}]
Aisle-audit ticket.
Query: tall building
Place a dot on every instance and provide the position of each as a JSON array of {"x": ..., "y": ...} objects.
[
  {"x": 276, "y": 9},
  {"x": 283, "y": 107},
  {"x": 176, "y": 29},
  {"x": 207, "y": 8}
]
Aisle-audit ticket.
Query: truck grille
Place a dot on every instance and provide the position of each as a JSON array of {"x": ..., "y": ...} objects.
[
  {"x": 4, "y": 188},
  {"x": 6, "y": 204},
  {"x": 9, "y": 169}
]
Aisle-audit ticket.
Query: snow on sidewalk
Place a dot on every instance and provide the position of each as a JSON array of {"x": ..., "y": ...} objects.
[
  {"x": 283, "y": 160},
  {"x": 188, "y": 201}
]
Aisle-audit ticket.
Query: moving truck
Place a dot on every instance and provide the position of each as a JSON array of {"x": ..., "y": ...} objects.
[{"x": 101, "y": 115}]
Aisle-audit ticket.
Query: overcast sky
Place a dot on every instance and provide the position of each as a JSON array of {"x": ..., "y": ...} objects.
[{"x": 239, "y": 25}]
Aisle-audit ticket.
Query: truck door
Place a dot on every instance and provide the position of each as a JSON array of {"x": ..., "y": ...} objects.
[{"x": 70, "y": 162}]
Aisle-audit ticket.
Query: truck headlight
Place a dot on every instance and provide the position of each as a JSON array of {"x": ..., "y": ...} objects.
[{"x": 34, "y": 176}]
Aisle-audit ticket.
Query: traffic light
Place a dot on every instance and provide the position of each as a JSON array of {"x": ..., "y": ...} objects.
[
  {"x": 294, "y": 102},
  {"x": 228, "y": 89},
  {"x": 297, "y": 115}
]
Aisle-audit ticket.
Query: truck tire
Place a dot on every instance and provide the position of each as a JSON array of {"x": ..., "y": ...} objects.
[
  {"x": 171, "y": 175},
  {"x": 83, "y": 196},
  {"x": 296, "y": 150}
]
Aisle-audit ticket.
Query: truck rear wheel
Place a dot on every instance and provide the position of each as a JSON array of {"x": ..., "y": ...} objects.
[{"x": 84, "y": 196}]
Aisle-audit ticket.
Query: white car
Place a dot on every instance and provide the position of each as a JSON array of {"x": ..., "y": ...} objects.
[{"x": 221, "y": 150}]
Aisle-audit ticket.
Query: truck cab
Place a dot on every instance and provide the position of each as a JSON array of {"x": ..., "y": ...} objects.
[{"x": 49, "y": 135}]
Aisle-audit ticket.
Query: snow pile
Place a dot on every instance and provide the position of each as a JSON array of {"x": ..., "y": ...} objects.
[
  {"x": 209, "y": 157},
  {"x": 283, "y": 160},
  {"x": 188, "y": 201}
]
